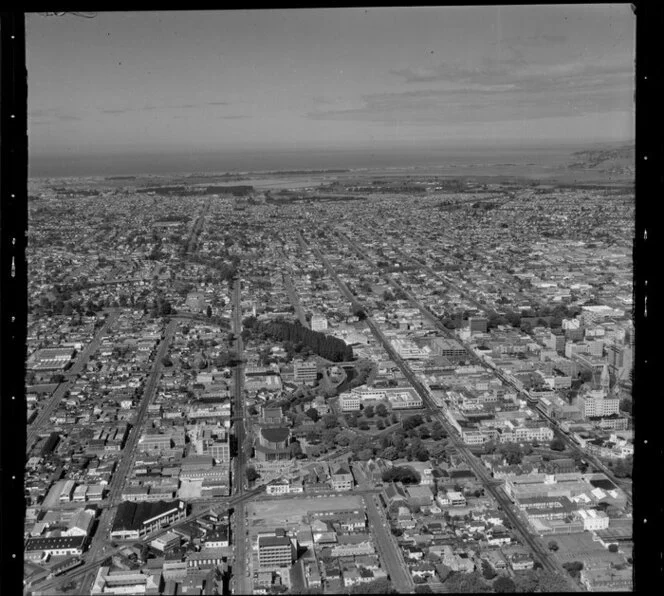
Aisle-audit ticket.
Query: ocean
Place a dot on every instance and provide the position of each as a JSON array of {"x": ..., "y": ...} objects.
[{"x": 450, "y": 161}]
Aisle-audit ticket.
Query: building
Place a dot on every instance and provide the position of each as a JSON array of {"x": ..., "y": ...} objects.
[
  {"x": 403, "y": 399},
  {"x": 594, "y": 404},
  {"x": 67, "y": 491},
  {"x": 275, "y": 552},
  {"x": 125, "y": 582},
  {"x": 305, "y": 372},
  {"x": 451, "y": 349},
  {"x": 273, "y": 444},
  {"x": 477, "y": 324},
  {"x": 456, "y": 498},
  {"x": 50, "y": 359},
  {"x": 166, "y": 541},
  {"x": 607, "y": 580},
  {"x": 216, "y": 539},
  {"x": 593, "y": 520},
  {"x": 318, "y": 323},
  {"x": 341, "y": 478},
  {"x": 55, "y": 546},
  {"x": 135, "y": 520},
  {"x": 349, "y": 402},
  {"x": 80, "y": 523},
  {"x": 151, "y": 442}
]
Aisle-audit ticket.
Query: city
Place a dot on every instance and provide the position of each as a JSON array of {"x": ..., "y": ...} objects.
[
  {"x": 299, "y": 388},
  {"x": 345, "y": 321}
]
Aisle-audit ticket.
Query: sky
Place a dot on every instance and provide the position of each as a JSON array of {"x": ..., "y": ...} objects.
[{"x": 185, "y": 82}]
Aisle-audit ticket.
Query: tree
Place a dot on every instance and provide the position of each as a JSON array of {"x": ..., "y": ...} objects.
[
  {"x": 296, "y": 450},
  {"x": 626, "y": 405},
  {"x": 313, "y": 414},
  {"x": 504, "y": 584},
  {"x": 466, "y": 582},
  {"x": 553, "y": 545},
  {"x": 330, "y": 421},
  {"x": 613, "y": 548},
  {"x": 552, "y": 582},
  {"x": 381, "y": 410},
  {"x": 557, "y": 444},
  {"x": 488, "y": 571},
  {"x": 573, "y": 568},
  {"x": 369, "y": 411},
  {"x": 412, "y": 422},
  {"x": 404, "y": 474},
  {"x": 166, "y": 361},
  {"x": 252, "y": 474},
  {"x": 360, "y": 313}
]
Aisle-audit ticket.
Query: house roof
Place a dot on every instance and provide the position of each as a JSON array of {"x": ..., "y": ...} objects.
[
  {"x": 275, "y": 435},
  {"x": 130, "y": 515},
  {"x": 54, "y": 542}
]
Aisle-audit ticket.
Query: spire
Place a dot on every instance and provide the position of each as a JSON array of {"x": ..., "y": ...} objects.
[{"x": 605, "y": 378}]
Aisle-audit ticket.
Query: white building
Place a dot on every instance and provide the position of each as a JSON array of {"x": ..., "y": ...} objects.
[
  {"x": 318, "y": 323},
  {"x": 349, "y": 402},
  {"x": 593, "y": 520}
]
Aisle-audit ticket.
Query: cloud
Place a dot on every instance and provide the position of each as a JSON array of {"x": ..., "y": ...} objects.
[
  {"x": 472, "y": 95},
  {"x": 182, "y": 106},
  {"x": 532, "y": 41},
  {"x": 43, "y": 115}
]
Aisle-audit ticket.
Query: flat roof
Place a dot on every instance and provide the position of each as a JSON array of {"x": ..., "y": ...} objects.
[{"x": 130, "y": 515}]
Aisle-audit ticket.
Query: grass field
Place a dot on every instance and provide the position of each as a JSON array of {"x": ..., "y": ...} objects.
[{"x": 581, "y": 547}]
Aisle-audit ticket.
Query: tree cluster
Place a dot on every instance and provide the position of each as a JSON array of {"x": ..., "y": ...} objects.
[
  {"x": 403, "y": 474},
  {"x": 326, "y": 346}
]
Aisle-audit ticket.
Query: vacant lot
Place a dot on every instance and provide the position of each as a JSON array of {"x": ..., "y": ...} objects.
[{"x": 291, "y": 511}]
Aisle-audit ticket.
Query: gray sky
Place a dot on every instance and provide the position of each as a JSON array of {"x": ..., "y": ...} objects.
[{"x": 133, "y": 82}]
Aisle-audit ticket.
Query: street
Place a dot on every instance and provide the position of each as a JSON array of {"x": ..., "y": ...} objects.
[{"x": 81, "y": 360}]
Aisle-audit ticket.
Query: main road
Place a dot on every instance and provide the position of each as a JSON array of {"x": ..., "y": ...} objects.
[
  {"x": 553, "y": 423},
  {"x": 128, "y": 454},
  {"x": 81, "y": 360},
  {"x": 535, "y": 544},
  {"x": 241, "y": 582}
]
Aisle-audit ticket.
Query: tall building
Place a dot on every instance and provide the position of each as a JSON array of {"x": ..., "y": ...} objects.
[
  {"x": 305, "y": 372},
  {"x": 605, "y": 380},
  {"x": 477, "y": 324},
  {"x": 275, "y": 552},
  {"x": 594, "y": 404},
  {"x": 616, "y": 356},
  {"x": 556, "y": 342}
]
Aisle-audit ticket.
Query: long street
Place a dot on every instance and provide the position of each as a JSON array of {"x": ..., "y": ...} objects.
[
  {"x": 81, "y": 360},
  {"x": 388, "y": 548},
  {"x": 553, "y": 423},
  {"x": 129, "y": 453},
  {"x": 295, "y": 300},
  {"x": 241, "y": 583},
  {"x": 538, "y": 549}
]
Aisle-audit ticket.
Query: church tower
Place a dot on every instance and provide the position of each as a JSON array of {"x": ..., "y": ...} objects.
[{"x": 605, "y": 380}]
